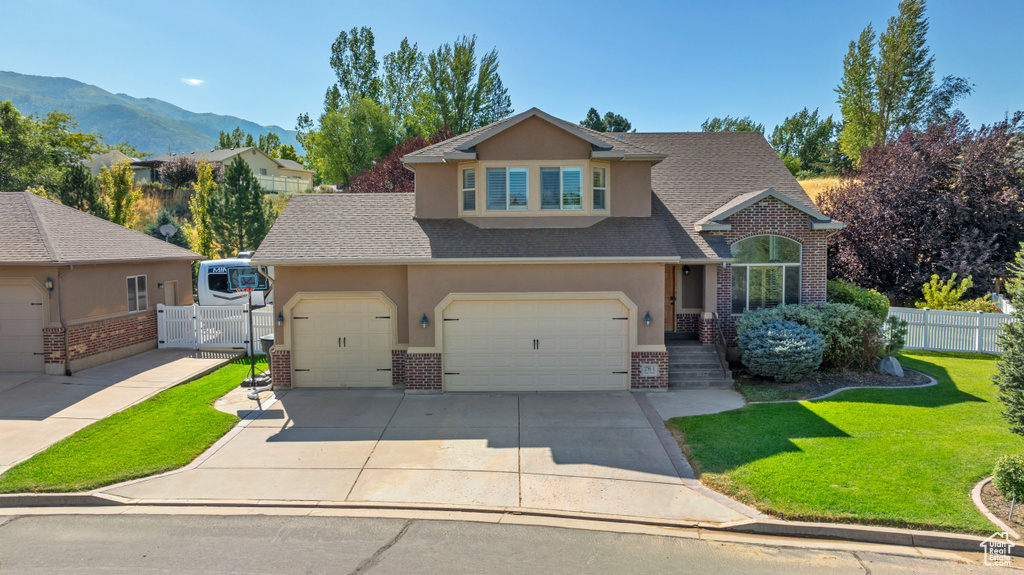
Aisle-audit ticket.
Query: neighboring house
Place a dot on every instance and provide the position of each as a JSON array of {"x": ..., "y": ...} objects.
[
  {"x": 539, "y": 255},
  {"x": 97, "y": 162},
  {"x": 77, "y": 291},
  {"x": 275, "y": 174}
]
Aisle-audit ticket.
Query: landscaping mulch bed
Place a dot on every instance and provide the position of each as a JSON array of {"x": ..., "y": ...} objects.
[
  {"x": 818, "y": 384},
  {"x": 1000, "y": 507}
]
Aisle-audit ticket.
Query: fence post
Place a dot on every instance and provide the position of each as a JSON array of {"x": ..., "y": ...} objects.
[
  {"x": 977, "y": 336},
  {"x": 161, "y": 326},
  {"x": 195, "y": 326},
  {"x": 925, "y": 343}
]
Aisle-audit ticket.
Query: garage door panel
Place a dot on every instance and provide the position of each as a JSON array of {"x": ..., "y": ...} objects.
[
  {"x": 580, "y": 345},
  {"x": 21, "y": 328},
  {"x": 346, "y": 342}
]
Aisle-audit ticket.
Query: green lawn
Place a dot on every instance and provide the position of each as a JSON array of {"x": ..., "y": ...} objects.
[
  {"x": 162, "y": 433},
  {"x": 905, "y": 458}
]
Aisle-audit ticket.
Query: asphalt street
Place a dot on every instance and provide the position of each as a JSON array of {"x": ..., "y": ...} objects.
[{"x": 282, "y": 544}]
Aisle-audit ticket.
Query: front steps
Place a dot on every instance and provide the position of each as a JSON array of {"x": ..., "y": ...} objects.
[{"x": 696, "y": 367}]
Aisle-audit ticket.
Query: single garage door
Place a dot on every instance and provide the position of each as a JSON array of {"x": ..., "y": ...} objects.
[
  {"x": 341, "y": 342},
  {"x": 21, "y": 328},
  {"x": 537, "y": 345}
]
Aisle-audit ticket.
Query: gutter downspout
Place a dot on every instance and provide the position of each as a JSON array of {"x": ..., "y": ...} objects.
[{"x": 63, "y": 322}]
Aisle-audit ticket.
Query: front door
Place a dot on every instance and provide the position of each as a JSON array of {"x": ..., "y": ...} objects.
[{"x": 670, "y": 298}]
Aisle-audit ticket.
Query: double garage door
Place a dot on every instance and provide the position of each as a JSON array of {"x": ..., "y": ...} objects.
[
  {"x": 493, "y": 345},
  {"x": 536, "y": 345},
  {"x": 21, "y": 328}
]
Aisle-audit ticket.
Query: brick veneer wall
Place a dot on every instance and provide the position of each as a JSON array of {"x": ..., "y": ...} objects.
[
  {"x": 772, "y": 217},
  {"x": 398, "y": 367},
  {"x": 707, "y": 330},
  {"x": 281, "y": 367},
  {"x": 423, "y": 371},
  {"x": 53, "y": 345},
  {"x": 688, "y": 323},
  {"x": 107, "y": 335},
  {"x": 639, "y": 382}
]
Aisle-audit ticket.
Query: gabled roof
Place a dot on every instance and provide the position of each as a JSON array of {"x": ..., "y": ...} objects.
[
  {"x": 718, "y": 220},
  {"x": 463, "y": 147},
  {"x": 37, "y": 231},
  {"x": 221, "y": 156},
  {"x": 380, "y": 228}
]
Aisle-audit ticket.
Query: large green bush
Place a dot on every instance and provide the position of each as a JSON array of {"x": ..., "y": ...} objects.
[
  {"x": 853, "y": 337},
  {"x": 869, "y": 300},
  {"x": 783, "y": 350},
  {"x": 1008, "y": 476}
]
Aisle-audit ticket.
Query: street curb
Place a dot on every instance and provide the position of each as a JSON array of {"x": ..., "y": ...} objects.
[{"x": 976, "y": 498}]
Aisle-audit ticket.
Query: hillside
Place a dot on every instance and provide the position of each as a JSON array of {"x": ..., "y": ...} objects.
[{"x": 150, "y": 124}]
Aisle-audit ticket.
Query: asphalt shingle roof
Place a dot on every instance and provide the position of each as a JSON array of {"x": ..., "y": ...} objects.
[
  {"x": 37, "y": 231},
  {"x": 340, "y": 228}
]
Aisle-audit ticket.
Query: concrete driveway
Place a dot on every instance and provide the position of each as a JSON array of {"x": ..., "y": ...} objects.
[
  {"x": 37, "y": 410},
  {"x": 579, "y": 452}
]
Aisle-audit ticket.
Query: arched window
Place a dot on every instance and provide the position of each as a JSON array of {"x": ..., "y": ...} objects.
[{"x": 765, "y": 273}]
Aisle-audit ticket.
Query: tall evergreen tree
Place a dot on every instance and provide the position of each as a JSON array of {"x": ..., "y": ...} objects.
[
  {"x": 240, "y": 213},
  {"x": 80, "y": 190},
  {"x": 1010, "y": 374},
  {"x": 857, "y": 97}
]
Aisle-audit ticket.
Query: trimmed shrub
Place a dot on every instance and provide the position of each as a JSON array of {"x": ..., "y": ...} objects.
[
  {"x": 853, "y": 337},
  {"x": 869, "y": 300},
  {"x": 1008, "y": 476},
  {"x": 782, "y": 350}
]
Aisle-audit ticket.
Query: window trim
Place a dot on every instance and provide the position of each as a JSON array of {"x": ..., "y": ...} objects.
[
  {"x": 783, "y": 265},
  {"x": 464, "y": 189},
  {"x": 593, "y": 188},
  {"x": 534, "y": 200},
  {"x": 134, "y": 284}
]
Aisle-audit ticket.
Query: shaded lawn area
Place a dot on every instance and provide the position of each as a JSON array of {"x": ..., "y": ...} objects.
[
  {"x": 900, "y": 457},
  {"x": 162, "y": 433}
]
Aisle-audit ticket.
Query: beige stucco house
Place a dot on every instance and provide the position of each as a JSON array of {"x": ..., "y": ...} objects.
[
  {"x": 275, "y": 174},
  {"x": 78, "y": 291},
  {"x": 539, "y": 255}
]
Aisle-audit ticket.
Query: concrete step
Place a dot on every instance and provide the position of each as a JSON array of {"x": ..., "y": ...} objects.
[
  {"x": 697, "y": 384},
  {"x": 697, "y": 353},
  {"x": 696, "y": 373},
  {"x": 694, "y": 365}
]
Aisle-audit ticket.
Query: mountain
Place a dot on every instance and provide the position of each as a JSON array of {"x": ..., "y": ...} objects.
[{"x": 147, "y": 123}]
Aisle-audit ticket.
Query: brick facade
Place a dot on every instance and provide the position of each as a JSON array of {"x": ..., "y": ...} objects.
[
  {"x": 53, "y": 345},
  {"x": 772, "y": 217},
  {"x": 281, "y": 367},
  {"x": 688, "y": 323},
  {"x": 398, "y": 367},
  {"x": 423, "y": 371},
  {"x": 88, "y": 339},
  {"x": 638, "y": 381},
  {"x": 707, "y": 329}
]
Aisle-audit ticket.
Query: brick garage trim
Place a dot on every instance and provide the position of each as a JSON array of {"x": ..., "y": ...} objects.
[
  {"x": 53, "y": 345},
  {"x": 772, "y": 217},
  {"x": 398, "y": 367},
  {"x": 281, "y": 367},
  {"x": 639, "y": 382},
  {"x": 423, "y": 371},
  {"x": 88, "y": 339}
]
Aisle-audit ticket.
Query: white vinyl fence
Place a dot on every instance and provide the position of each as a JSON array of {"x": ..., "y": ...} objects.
[
  {"x": 211, "y": 327},
  {"x": 937, "y": 330}
]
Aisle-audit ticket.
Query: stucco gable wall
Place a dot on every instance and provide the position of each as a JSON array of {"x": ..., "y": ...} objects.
[{"x": 533, "y": 139}]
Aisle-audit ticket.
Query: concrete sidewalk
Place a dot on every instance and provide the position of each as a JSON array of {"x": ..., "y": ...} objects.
[
  {"x": 37, "y": 410},
  {"x": 593, "y": 453}
]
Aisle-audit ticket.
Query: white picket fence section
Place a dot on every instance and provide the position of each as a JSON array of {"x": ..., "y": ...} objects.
[
  {"x": 211, "y": 327},
  {"x": 938, "y": 330}
]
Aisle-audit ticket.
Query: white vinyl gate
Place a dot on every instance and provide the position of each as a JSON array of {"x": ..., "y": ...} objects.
[
  {"x": 939, "y": 330},
  {"x": 211, "y": 327}
]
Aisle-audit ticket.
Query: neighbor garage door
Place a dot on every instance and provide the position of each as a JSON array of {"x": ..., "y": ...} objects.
[
  {"x": 536, "y": 345},
  {"x": 21, "y": 328},
  {"x": 341, "y": 342}
]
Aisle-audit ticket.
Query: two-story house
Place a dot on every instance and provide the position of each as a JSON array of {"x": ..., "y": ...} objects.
[{"x": 539, "y": 255}]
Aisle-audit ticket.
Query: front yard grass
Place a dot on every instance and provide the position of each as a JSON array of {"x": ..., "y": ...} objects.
[
  {"x": 899, "y": 457},
  {"x": 159, "y": 434}
]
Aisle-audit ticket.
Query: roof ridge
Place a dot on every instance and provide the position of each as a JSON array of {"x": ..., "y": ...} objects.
[{"x": 39, "y": 225}]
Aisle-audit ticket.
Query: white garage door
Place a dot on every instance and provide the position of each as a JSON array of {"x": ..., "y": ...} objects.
[
  {"x": 21, "y": 328},
  {"x": 340, "y": 342},
  {"x": 542, "y": 345}
]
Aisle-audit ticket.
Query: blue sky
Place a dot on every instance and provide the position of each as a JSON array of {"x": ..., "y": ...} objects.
[{"x": 664, "y": 65}]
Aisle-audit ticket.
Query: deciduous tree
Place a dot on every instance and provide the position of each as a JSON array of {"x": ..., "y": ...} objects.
[
  {"x": 121, "y": 193},
  {"x": 730, "y": 124},
  {"x": 200, "y": 231},
  {"x": 611, "y": 122},
  {"x": 465, "y": 93},
  {"x": 389, "y": 174}
]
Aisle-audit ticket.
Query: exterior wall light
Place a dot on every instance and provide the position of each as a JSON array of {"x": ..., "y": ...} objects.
[
  {"x": 424, "y": 323},
  {"x": 686, "y": 270},
  {"x": 647, "y": 319},
  {"x": 280, "y": 319},
  {"x": 48, "y": 284}
]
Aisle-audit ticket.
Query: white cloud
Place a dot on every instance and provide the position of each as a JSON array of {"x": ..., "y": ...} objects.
[{"x": 193, "y": 81}]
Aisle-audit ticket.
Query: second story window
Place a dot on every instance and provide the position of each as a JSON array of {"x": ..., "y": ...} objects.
[
  {"x": 469, "y": 190},
  {"x": 600, "y": 188},
  {"x": 508, "y": 188},
  {"x": 561, "y": 188}
]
